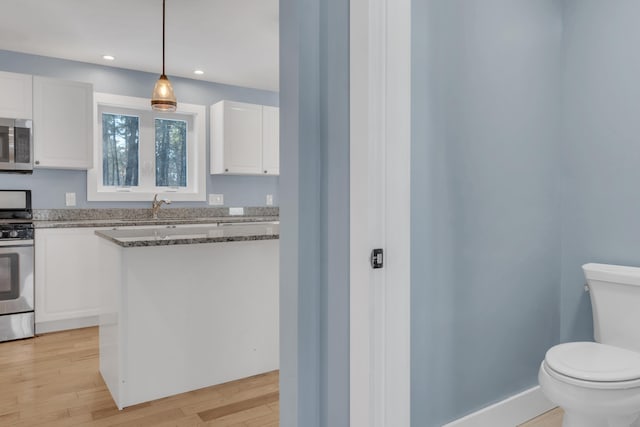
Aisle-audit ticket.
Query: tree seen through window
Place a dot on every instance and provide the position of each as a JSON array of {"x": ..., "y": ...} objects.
[
  {"x": 120, "y": 140},
  {"x": 171, "y": 153}
]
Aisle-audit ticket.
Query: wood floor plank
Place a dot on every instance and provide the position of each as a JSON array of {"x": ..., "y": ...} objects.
[
  {"x": 552, "y": 418},
  {"x": 152, "y": 419},
  {"x": 240, "y": 406},
  {"x": 8, "y": 418},
  {"x": 190, "y": 421},
  {"x": 53, "y": 380},
  {"x": 239, "y": 419},
  {"x": 265, "y": 420},
  {"x": 226, "y": 398}
]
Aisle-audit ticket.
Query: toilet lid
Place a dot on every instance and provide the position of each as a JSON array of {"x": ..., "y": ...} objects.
[{"x": 594, "y": 362}]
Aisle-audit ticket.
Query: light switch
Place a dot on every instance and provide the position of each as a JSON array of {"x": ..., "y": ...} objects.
[
  {"x": 70, "y": 199},
  {"x": 269, "y": 199},
  {"x": 216, "y": 199}
]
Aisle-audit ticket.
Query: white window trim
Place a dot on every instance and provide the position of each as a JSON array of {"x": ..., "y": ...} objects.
[{"x": 197, "y": 167}]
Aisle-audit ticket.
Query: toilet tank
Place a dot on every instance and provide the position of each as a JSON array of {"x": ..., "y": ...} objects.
[{"x": 615, "y": 300}]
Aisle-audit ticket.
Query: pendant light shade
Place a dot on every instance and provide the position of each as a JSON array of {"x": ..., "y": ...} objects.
[{"x": 163, "y": 98}]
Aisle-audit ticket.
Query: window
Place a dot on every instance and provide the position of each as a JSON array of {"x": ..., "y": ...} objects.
[{"x": 139, "y": 152}]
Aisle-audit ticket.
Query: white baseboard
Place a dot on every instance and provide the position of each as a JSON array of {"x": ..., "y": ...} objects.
[
  {"x": 510, "y": 412},
  {"x": 63, "y": 325}
]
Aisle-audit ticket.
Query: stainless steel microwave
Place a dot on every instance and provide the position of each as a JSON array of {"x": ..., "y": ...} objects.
[{"x": 16, "y": 146}]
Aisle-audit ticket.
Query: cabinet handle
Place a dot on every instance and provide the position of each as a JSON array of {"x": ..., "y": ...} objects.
[
  {"x": 37, "y": 162},
  {"x": 265, "y": 171},
  {"x": 226, "y": 170}
]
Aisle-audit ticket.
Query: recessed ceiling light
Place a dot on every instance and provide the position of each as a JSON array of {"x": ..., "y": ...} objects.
[
  {"x": 198, "y": 72},
  {"x": 108, "y": 57}
]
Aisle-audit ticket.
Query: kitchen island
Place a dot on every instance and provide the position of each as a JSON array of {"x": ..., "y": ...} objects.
[{"x": 186, "y": 307}]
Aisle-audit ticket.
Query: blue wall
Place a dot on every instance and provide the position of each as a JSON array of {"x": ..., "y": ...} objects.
[
  {"x": 601, "y": 137},
  {"x": 314, "y": 213},
  {"x": 485, "y": 202},
  {"x": 49, "y": 186}
]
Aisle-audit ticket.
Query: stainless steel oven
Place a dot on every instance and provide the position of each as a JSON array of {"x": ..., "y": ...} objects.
[
  {"x": 16, "y": 146},
  {"x": 16, "y": 265},
  {"x": 16, "y": 290}
]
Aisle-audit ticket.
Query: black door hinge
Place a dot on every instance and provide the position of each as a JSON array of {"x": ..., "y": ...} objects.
[{"x": 377, "y": 258}]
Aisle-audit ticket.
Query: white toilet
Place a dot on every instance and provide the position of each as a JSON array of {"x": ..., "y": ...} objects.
[{"x": 598, "y": 384}]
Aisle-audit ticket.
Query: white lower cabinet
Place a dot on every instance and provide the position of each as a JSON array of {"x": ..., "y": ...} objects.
[
  {"x": 177, "y": 318},
  {"x": 66, "y": 283}
]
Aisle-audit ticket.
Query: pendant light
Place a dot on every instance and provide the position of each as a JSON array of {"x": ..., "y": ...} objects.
[{"x": 163, "y": 98}]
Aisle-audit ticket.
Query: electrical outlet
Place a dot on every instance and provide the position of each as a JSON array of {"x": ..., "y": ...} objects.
[
  {"x": 269, "y": 199},
  {"x": 236, "y": 211},
  {"x": 216, "y": 199},
  {"x": 70, "y": 199}
]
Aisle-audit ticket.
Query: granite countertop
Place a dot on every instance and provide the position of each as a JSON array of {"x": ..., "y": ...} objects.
[
  {"x": 119, "y": 217},
  {"x": 126, "y": 222},
  {"x": 130, "y": 237}
]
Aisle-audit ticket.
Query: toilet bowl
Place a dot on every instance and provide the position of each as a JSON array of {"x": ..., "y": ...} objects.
[{"x": 598, "y": 383}]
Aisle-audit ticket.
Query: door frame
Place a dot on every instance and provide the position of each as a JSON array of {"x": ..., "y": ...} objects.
[{"x": 380, "y": 148}]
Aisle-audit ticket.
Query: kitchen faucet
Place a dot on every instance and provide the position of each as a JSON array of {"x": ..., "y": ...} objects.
[{"x": 155, "y": 205}]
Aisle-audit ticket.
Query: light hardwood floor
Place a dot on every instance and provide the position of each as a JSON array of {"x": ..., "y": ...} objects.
[
  {"x": 552, "y": 418},
  {"x": 53, "y": 380}
]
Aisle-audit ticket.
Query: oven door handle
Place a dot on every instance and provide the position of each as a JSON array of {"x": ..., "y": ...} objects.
[{"x": 7, "y": 243}]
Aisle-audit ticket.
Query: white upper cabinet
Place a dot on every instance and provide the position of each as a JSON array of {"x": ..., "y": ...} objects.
[
  {"x": 62, "y": 124},
  {"x": 244, "y": 139},
  {"x": 270, "y": 140},
  {"x": 15, "y": 102}
]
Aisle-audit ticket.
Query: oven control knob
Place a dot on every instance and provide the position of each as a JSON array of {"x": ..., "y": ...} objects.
[{"x": 13, "y": 234}]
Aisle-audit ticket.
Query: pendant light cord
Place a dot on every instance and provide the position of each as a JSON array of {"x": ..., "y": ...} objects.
[{"x": 163, "y": 6}]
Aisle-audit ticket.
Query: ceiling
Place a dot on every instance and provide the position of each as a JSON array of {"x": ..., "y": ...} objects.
[{"x": 233, "y": 41}]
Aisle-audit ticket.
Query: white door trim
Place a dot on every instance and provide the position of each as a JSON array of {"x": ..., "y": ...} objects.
[{"x": 380, "y": 139}]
